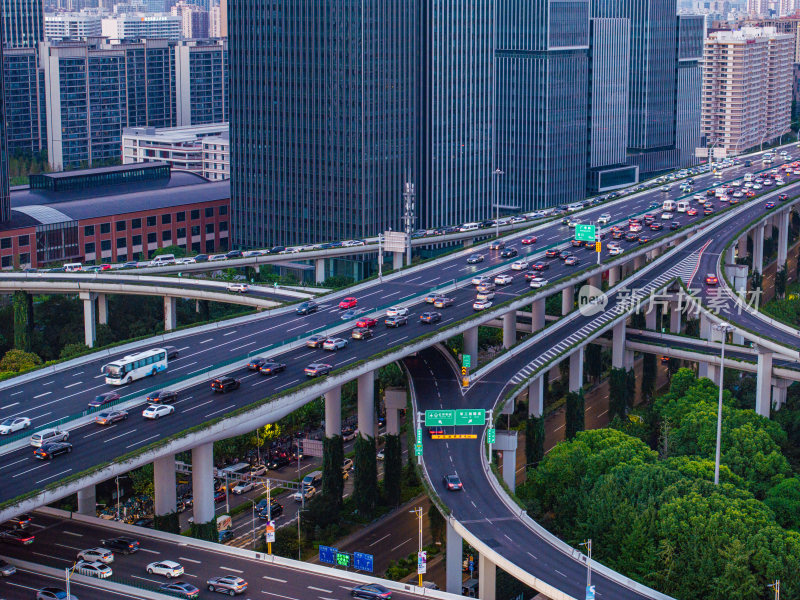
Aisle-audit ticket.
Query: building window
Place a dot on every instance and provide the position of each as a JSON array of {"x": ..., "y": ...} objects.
[
  {"x": 209, "y": 246},
  {"x": 88, "y": 248},
  {"x": 166, "y": 219},
  {"x": 137, "y": 240},
  {"x": 105, "y": 245},
  {"x": 105, "y": 228},
  {"x": 25, "y": 259},
  {"x": 121, "y": 225},
  {"x": 5, "y": 243},
  {"x": 166, "y": 235},
  {"x": 24, "y": 240},
  {"x": 181, "y": 233},
  {"x": 151, "y": 221},
  {"x": 88, "y": 231},
  {"x": 6, "y": 262},
  {"x": 209, "y": 212},
  {"x": 181, "y": 216},
  {"x": 121, "y": 242},
  {"x": 195, "y": 214},
  {"x": 210, "y": 228},
  {"x": 195, "y": 229},
  {"x": 136, "y": 224},
  {"x": 223, "y": 226},
  {"x": 152, "y": 238},
  {"x": 223, "y": 210},
  {"x": 122, "y": 257}
]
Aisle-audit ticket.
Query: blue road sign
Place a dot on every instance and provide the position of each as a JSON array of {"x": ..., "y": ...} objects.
[
  {"x": 327, "y": 555},
  {"x": 471, "y": 566},
  {"x": 589, "y": 592},
  {"x": 362, "y": 562}
]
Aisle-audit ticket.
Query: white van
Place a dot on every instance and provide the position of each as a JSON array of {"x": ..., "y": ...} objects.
[
  {"x": 668, "y": 206},
  {"x": 162, "y": 260},
  {"x": 683, "y": 205},
  {"x": 468, "y": 227},
  {"x": 748, "y": 177},
  {"x": 73, "y": 267}
]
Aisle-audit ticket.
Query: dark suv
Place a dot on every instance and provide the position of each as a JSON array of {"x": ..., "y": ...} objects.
[
  {"x": 103, "y": 399},
  {"x": 162, "y": 396},
  {"x": 307, "y": 307},
  {"x": 225, "y": 384},
  {"x": 122, "y": 544},
  {"x": 276, "y": 509}
]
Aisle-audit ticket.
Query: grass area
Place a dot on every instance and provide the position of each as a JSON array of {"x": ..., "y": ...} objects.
[{"x": 786, "y": 310}]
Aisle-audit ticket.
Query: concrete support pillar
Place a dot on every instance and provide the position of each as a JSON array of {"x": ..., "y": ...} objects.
[
  {"x": 618, "y": 345},
  {"x": 366, "y": 405},
  {"x": 576, "y": 370},
  {"x": 537, "y": 315},
  {"x": 783, "y": 237},
  {"x": 758, "y": 249},
  {"x": 394, "y": 401},
  {"x": 203, "y": 483},
  {"x": 166, "y": 498},
  {"x": 706, "y": 369},
  {"x": 779, "y": 393},
  {"x": 468, "y": 242},
  {"x": 536, "y": 397},
  {"x": 596, "y": 280},
  {"x": 730, "y": 254},
  {"x": 319, "y": 270},
  {"x": 170, "y": 313},
  {"x": 507, "y": 444},
  {"x": 471, "y": 345},
  {"x": 650, "y": 317},
  {"x": 763, "y": 382},
  {"x": 397, "y": 260},
  {"x": 487, "y": 578},
  {"x": 705, "y": 327},
  {"x": 102, "y": 309},
  {"x": 333, "y": 412},
  {"x": 455, "y": 550},
  {"x": 613, "y": 276},
  {"x": 741, "y": 247},
  {"x": 737, "y": 338},
  {"x": 674, "y": 318},
  {"x": 89, "y": 318},
  {"x": 87, "y": 501},
  {"x": 567, "y": 300},
  {"x": 509, "y": 329},
  {"x": 638, "y": 262}
]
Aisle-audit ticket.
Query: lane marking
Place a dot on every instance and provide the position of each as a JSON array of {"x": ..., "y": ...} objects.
[
  {"x": 66, "y": 387},
  {"x": 279, "y": 595},
  {"x": 380, "y": 540},
  {"x": 29, "y": 470},
  {"x": 52, "y": 476},
  {"x": 191, "y": 560},
  {"x": 149, "y": 551},
  {"x": 67, "y": 560},
  {"x": 316, "y": 589},
  {"x": 231, "y": 569},
  {"x": 152, "y": 437},
  {"x": 119, "y": 436},
  {"x": 72, "y": 533},
  {"x": 273, "y": 578},
  {"x": 42, "y": 395},
  {"x": 8, "y": 406}
]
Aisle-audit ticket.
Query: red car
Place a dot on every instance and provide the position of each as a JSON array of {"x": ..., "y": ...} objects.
[
  {"x": 348, "y": 302},
  {"x": 782, "y": 197},
  {"x": 366, "y": 322},
  {"x": 692, "y": 212},
  {"x": 529, "y": 240},
  {"x": 539, "y": 266},
  {"x": 711, "y": 279}
]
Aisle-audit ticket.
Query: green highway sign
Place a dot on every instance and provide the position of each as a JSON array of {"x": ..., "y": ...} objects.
[
  {"x": 440, "y": 417},
  {"x": 343, "y": 559},
  {"x": 470, "y": 416},
  {"x": 490, "y": 436},
  {"x": 419, "y": 435},
  {"x": 466, "y": 360},
  {"x": 585, "y": 233},
  {"x": 417, "y": 449}
]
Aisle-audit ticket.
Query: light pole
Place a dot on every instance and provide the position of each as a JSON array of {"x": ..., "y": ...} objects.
[
  {"x": 117, "y": 481},
  {"x": 588, "y": 544},
  {"x": 497, "y": 173},
  {"x": 777, "y": 587},
  {"x": 724, "y": 328},
  {"x": 418, "y": 512}
]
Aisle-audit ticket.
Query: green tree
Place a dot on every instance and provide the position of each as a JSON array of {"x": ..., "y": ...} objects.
[
  {"x": 575, "y": 414},
  {"x": 437, "y": 524},
  {"x": 784, "y": 500},
  {"x": 648, "y": 376},
  {"x": 630, "y": 389},
  {"x": 332, "y": 461},
  {"x": 23, "y": 320},
  {"x": 617, "y": 393},
  {"x": 781, "y": 279},
  {"x": 73, "y": 350},
  {"x": 755, "y": 280},
  {"x": 534, "y": 440},
  {"x": 178, "y": 251},
  {"x": 262, "y": 435},
  {"x": 594, "y": 362},
  {"x": 142, "y": 480},
  {"x": 18, "y": 361},
  {"x": 393, "y": 470},
  {"x": 365, "y": 486}
]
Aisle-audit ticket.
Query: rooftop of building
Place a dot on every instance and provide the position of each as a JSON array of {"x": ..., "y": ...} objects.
[
  {"x": 177, "y": 135},
  {"x": 108, "y": 191},
  {"x": 747, "y": 33}
]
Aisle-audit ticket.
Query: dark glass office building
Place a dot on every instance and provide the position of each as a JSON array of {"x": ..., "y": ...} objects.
[
  {"x": 322, "y": 117},
  {"x": 23, "y": 84},
  {"x": 541, "y": 102},
  {"x": 22, "y": 22},
  {"x": 5, "y": 200}
]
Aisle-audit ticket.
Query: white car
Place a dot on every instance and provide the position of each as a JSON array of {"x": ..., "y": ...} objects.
[
  {"x": 249, "y": 253},
  {"x": 538, "y": 282},
  {"x": 736, "y": 183},
  {"x": 167, "y": 568},
  {"x": 334, "y": 344},
  {"x": 397, "y": 311},
  {"x": 352, "y": 243},
  {"x": 517, "y": 219},
  {"x": 479, "y": 279},
  {"x": 666, "y": 216},
  {"x": 186, "y": 260},
  {"x": 634, "y": 227},
  {"x": 604, "y": 219},
  {"x": 93, "y": 569},
  {"x": 290, "y": 251},
  {"x": 487, "y": 295},
  {"x": 14, "y": 424},
  {"x": 519, "y": 265},
  {"x": 155, "y": 411},
  {"x": 238, "y": 287},
  {"x": 243, "y": 486},
  {"x": 309, "y": 493},
  {"x": 103, "y": 555},
  {"x": 215, "y": 257},
  {"x": 503, "y": 279},
  {"x": 615, "y": 250},
  {"x": 699, "y": 197},
  {"x": 481, "y": 304}
]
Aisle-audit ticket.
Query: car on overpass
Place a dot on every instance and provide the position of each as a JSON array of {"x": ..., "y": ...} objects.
[
  {"x": 167, "y": 568},
  {"x": 125, "y": 545},
  {"x": 538, "y": 282},
  {"x": 503, "y": 279},
  {"x": 316, "y": 341},
  {"x": 368, "y": 321},
  {"x": 93, "y": 569},
  {"x": 272, "y": 367},
  {"x": 54, "y": 593},
  {"x": 553, "y": 253},
  {"x": 519, "y": 265},
  {"x": 306, "y": 308},
  {"x": 540, "y": 266},
  {"x": 103, "y": 399},
  {"x": 481, "y": 304},
  {"x": 349, "y": 302},
  {"x": 528, "y": 240},
  {"x": 109, "y": 417},
  {"x": 334, "y": 344},
  {"x": 162, "y": 396},
  {"x": 17, "y": 536},
  {"x": 317, "y": 369},
  {"x": 361, "y": 333},
  {"x": 256, "y": 363},
  {"x": 371, "y": 591},
  {"x": 181, "y": 589},
  {"x": 396, "y": 321},
  {"x": 240, "y": 288},
  {"x": 711, "y": 279},
  {"x": 452, "y": 483},
  {"x": 227, "y": 584},
  {"x": 443, "y": 302},
  {"x": 430, "y": 317},
  {"x": 479, "y": 279},
  {"x": 509, "y": 253},
  {"x": 474, "y": 259},
  {"x": 397, "y": 311},
  {"x": 226, "y": 383},
  {"x": 102, "y": 555}
]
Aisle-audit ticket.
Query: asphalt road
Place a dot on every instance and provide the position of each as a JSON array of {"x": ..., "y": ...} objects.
[
  {"x": 23, "y": 585},
  {"x": 54, "y": 396}
]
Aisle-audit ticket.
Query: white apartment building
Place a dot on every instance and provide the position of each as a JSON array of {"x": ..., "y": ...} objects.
[
  {"x": 747, "y": 89},
  {"x": 134, "y": 26},
  {"x": 201, "y": 149},
  {"x": 72, "y": 25},
  {"x": 215, "y": 22}
]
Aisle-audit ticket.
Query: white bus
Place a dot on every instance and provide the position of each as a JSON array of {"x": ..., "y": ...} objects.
[
  {"x": 683, "y": 205},
  {"x": 668, "y": 206},
  {"x": 135, "y": 366}
]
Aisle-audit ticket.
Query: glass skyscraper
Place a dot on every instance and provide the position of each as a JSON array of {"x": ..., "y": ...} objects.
[
  {"x": 23, "y": 82},
  {"x": 22, "y": 22},
  {"x": 541, "y": 101},
  {"x": 5, "y": 199},
  {"x": 322, "y": 117}
]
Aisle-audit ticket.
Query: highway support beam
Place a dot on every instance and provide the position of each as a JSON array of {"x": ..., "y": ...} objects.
[
  {"x": 89, "y": 318},
  {"x": 164, "y": 487},
  {"x": 366, "y": 405},
  {"x": 537, "y": 315},
  {"x": 576, "y": 369},
  {"x": 319, "y": 270},
  {"x": 674, "y": 318},
  {"x": 102, "y": 309},
  {"x": 613, "y": 276},
  {"x": 394, "y": 400},
  {"x": 783, "y": 237},
  {"x": 471, "y": 345},
  {"x": 453, "y": 558},
  {"x": 650, "y": 317},
  {"x": 87, "y": 501},
  {"x": 507, "y": 444},
  {"x": 536, "y": 397},
  {"x": 741, "y": 246},
  {"x": 763, "y": 382},
  {"x": 333, "y": 412},
  {"x": 638, "y": 262},
  {"x": 203, "y": 483},
  {"x": 596, "y": 281},
  {"x": 487, "y": 578},
  {"x": 170, "y": 313},
  {"x": 618, "y": 345},
  {"x": 567, "y": 300},
  {"x": 706, "y": 369},
  {"x": 758, "y": 249},
  {"x": 509, "y": 329},
  {"x": 779, "y": 387},
  {"x": 397, "y": 260}
]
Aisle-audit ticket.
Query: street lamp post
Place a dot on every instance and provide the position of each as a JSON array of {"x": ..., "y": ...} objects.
[
  {"x": 724, "y": 328},
  {"x": 496, "y": 173},
  {"x": 117, "y": 482},
  {"x": 777, "y": 587},
  {"x": 418, "y": 512},
  {"x": 588, "y": 544}
]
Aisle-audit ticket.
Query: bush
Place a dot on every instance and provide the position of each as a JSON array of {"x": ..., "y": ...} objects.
[{"x": 19, "y": 361}]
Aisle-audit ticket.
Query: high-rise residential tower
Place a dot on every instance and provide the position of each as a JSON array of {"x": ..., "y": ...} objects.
[
  {"x": 322, "y": 118},
  {"x": 22, "y": 22},
  {"x": 5, "y": 199}
]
